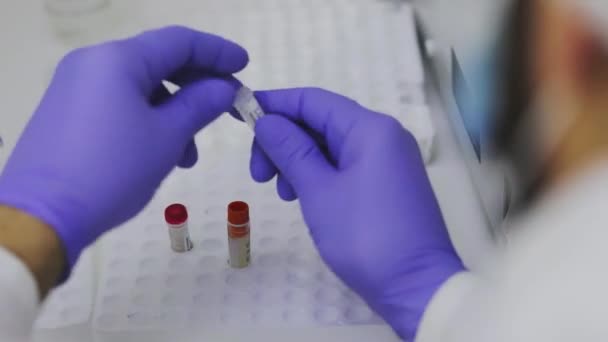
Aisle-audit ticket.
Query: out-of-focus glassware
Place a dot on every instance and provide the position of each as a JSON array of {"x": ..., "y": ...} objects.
[{"x": 80, "y": 22}]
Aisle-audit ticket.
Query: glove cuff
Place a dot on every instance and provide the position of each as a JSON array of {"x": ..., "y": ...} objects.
[
  {"x": 404, "y": 308},
  {"x": 71, "y": 243}
]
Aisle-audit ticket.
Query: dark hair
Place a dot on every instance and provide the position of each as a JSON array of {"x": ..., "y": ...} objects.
[{"x": 514, "y": 89}]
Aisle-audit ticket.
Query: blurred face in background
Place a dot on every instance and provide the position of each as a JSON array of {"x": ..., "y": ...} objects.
[{"x": 551, "y": 115}]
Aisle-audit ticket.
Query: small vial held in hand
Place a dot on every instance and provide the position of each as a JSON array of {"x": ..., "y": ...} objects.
[
  {"x": 239, "y": 250},
  {"x": 176, "y": 216},
  {"x": 247, "y": 106}
]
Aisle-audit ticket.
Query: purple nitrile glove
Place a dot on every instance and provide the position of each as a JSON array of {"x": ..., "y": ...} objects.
[
  {"x": 107, "y": 132},
  {"x": 365, "y": 196}
]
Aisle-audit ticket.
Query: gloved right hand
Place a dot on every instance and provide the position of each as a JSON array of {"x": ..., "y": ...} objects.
[
  {"x": 365, "y": 196},
  {"x": 107, "y": 132}
]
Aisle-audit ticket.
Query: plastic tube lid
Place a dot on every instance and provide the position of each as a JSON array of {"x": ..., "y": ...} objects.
[
  {"x": 238, "y": 213},
  {"x": 176, "y": 214}
]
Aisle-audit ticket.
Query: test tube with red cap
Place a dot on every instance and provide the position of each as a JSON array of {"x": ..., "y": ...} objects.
[
  {"x": 239, "y": 250},
  {"x": 176, "y": 216}
]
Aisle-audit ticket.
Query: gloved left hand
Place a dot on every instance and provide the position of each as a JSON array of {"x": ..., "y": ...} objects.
[{"x": 107, "y": 132}]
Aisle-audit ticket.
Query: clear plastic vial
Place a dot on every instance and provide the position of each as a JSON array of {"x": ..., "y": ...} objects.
[{"x": 247, "y": 106}]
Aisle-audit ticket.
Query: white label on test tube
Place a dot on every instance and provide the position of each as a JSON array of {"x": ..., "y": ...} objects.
[
  {"x": 180, "y": 237},
  {"x": 239, "y": 247},
  {"x": 247, "y": 106}
]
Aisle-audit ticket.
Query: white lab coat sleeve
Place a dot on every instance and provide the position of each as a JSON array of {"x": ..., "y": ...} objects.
[
  {"x": 444, "y": 306},
  {"x": 19, "y": 298},
  {"x": 548, "y": 284},
  {"x": 556, "y": 293}
]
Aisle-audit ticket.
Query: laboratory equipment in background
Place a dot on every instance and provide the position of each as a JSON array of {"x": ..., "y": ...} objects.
[{"x": 454, "y": 57}]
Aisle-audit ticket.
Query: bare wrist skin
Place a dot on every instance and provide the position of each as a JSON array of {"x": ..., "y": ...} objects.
[{"x": 36, "y": 244}]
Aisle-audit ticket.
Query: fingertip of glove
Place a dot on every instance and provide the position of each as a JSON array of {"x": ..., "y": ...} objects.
[
  {"x": 221, "y": 92},
  {"x": 262, "y": 173}
]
